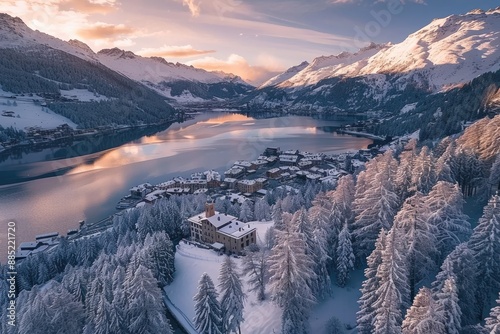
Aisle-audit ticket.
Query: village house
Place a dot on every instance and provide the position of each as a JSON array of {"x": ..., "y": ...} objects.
[{"x": 222, "y": 231}]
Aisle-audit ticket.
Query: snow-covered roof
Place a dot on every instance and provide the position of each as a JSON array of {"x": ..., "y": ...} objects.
[
  {"x": 28, "y": 245},
  {"x": 237, "y": 229},
  {"x": 220, "y": 219}
]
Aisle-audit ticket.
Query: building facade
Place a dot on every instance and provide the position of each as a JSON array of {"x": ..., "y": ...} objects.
[{"x": 211, "y": 227}]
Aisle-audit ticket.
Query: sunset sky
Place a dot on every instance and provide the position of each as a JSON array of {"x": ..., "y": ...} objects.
[{"x": 251, "y": 38}]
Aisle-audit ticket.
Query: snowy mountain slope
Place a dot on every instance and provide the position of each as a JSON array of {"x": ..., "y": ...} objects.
[
  {"x": 176, "y": 81},
  {"x": 446, "y": 53},
  {"x": 282, "y": 77},
  {"x": 15, "y": 34}
]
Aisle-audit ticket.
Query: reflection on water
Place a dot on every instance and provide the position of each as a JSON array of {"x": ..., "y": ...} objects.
[{"x": 88, "y": 187}]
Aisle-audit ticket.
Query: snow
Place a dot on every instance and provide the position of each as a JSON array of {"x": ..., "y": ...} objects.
[
  {"x": 83, "y": 95},
  {"x": 445, "y": 53},
  {"x": 29, "y": 113},
  {"x": 260, "y": 317},
  {"x": 407, "y": 108}
]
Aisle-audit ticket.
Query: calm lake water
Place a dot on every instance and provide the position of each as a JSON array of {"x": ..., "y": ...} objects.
[{"x": 88, "y": 187}]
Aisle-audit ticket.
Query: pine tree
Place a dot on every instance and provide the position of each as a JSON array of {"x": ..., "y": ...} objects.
[
  {"x": 233, "y": 298},
  {"x": 461, "y": 265},
  {"x": 493, "y": 321},
  {"x": 277, "y": 215},
  {"x": 262, "y": 210},
  {"x": 160, "y": 250},
  {"x": 485, "y": 245},
  {"x": 208, "y": 315},
  {"x": 255, "y": 267},
  {"x": 419, "y": 239},
  {"x": 393, "y": 293},
  {"x": 291, "y": 273},
  {"x": 448, "y": 307},
  {"x": 444, "y": 204},
  {"x": 494, "y": 178},
  {"x": 246, "y": 212},
  {"x": 345, "y": 256},
  {"x": 366, "y": 314},
  {"x": 403, "y": 177},
  {"x": 424, "y": 172},
  {"x": 422, "y": 317},
  {"x": 145, "y": 309},
  {"x": 376, "y": 207}
]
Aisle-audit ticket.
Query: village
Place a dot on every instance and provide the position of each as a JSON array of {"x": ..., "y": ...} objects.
[{"x": 245, "y": 180}]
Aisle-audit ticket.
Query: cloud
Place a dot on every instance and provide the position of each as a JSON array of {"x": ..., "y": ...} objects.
[
  {"x": 89, "y": 6},
  {"x": 105, "y": 31},
  {"x": 173, "y": 51},
  {"x": 335, "y": 2},
  {"x": 194, "y": 7},
  {"x": 238, "y": 65}
]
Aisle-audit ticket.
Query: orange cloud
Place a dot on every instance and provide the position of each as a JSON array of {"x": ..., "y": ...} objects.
[
  {"x": 89, "y": 6},
  {"x": 105, "y": 31},
  {"x": 237, "y": 65},
  {"x": 173, "y": 51},
  {"x": 194, "y": 7}
]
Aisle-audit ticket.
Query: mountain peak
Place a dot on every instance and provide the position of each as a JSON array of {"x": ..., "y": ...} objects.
[{"x": 117, "y": 53}]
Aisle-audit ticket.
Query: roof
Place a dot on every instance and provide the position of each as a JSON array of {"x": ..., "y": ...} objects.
[
  {"x": 217, "y": 245},
  {"x": 237, "y": 229},
  {"x": 28, "y": 245},
  {"x": 220, "y": 219}
]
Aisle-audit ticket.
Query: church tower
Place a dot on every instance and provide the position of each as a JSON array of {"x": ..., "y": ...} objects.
[{"x": 209, "y": 207}]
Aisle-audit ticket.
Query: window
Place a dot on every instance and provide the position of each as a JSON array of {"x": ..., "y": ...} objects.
[{"x": 248, "y": 242}]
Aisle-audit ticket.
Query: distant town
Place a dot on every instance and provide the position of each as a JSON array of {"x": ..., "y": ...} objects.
[{"x": 245, "y": 180}]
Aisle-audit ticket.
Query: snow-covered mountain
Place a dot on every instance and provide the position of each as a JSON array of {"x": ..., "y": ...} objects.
[
  {"x": 446, "y": 53},
  {"x": 174, "y": 80}
]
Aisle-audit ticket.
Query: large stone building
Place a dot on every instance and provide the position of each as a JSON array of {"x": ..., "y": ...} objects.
[{"x": 211, "y": 227}]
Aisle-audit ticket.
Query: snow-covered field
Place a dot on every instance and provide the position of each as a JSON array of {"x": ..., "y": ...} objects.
[
  {"x": 27, "y": 114},
  {"x": 83, "y": 95},
  {"x": 260, "y": 317}
]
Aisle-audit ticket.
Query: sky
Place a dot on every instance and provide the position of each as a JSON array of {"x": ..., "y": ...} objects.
[{"x": 254, "y": 39}]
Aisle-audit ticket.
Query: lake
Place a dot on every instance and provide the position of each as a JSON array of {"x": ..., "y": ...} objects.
[{"x": 49, "y": 193}]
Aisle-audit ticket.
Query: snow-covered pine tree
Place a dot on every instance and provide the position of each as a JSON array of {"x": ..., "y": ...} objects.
[
  {"x": 448, "y": 308},
  {"x": 160, "y": 250},
  {"x": 291, "y": 273},
  {"x": 485, "y": 245},
  {"x": 255, "y": 267},
  {"x": 345, "y": 256},
  {"x": 262, "y": 210},
  {"x": 493, "y": 321},
  {"x": 444, "y": 206},
  {"x": 494, "y": 177},
  {"x": 232, "y": 297},
  {"x": 422, "y": 317},
  {"x": 403, "y": 177},
  {"x": 393, "y": 293},
  {"x": 277, "y": 215},
  {"x": 145, "y": 310},
  {"x": 461, "y": 265},
  {"x": 246, "y": 212},
  {"x": 208, "y": 315},
  {"x": 376, "y": 206},
  {"x": 419, "y": 239},
  {"x": 366, "y": 314},
  {"x": 424, "y": 172}
]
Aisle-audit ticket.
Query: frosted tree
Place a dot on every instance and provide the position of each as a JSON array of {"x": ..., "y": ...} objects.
[
  {"x": 366, "y": 314},
  {"x": 493, "y": 321},
  {"x": 36, "y": 316},
  {"x": 445, "y": 204},
  {"x": 246, "y": 212},
  {"x": 424, "y": 172},
  {"x": 494, "y": 178},
  {"x": 160, "y": 251},
  {"x": 448, "y": 307},
  {"x": 269, "y": 238},
  {"x": 461, "y": 266},
  {"x": 345, "y": 256},
  {"x": 376, "y": 206},
  {"x": 255, "y": 267},
  {"x": 485, "y": 245},
  {"x": 208, "y": 315},
  {"x": 422, "y": 317},
  {"x": 277, "y": 215},
  {"x": 315, "y": 250},
  {"x": 145, "y": 311},
  {"x": 419, "y": 239},
  {"x": 108, "y": 318},
  {"x": 291, "y": 273},
  {"x": 403, "y": 177},
  {"x": 262, "y": 210},
  {"x": 234, "y": 210},
  {"x": 343, "y": 197},
  {"x": 393, "y": 292},
  {"x": 233, "y": 297}
]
